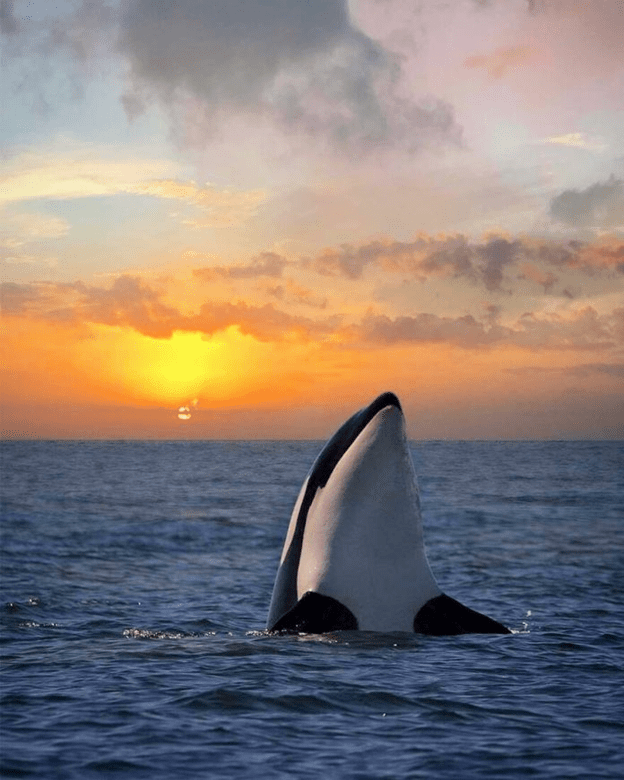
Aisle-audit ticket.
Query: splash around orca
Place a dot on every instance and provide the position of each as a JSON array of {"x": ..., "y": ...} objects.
[{"x": 354, "y": 557}]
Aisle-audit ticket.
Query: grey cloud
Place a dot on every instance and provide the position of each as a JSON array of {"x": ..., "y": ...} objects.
[
  {"x": 224, "y": 50},
  {"x": 300, "y": 63},
  {"x": 265, "y": 264},
  {"x": 8, "y": 22},
  {"x": 600, "y": 205},
  {"x": 452, "y": 256},
  {"x": 457, "y": 256},
  {"x": 303, "y": 63}
]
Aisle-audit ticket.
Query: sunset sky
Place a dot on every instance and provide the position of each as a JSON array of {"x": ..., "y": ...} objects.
[{"x": 270, "y": 211}]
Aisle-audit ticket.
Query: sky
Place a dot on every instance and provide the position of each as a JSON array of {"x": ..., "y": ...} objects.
[{"x": 238, "y": 219}]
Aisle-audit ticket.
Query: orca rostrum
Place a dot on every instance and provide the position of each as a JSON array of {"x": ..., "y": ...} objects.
[{"x": 354, "y": 557}]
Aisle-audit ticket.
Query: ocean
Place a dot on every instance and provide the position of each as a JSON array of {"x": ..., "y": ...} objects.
[{"x": 136, "y": 579}]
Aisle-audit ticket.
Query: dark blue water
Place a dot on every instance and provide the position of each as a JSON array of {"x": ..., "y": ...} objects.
[{"x": 136, "y": 579}]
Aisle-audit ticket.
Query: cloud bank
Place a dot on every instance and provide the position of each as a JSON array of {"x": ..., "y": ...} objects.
[{"x": 131, "y": 302}]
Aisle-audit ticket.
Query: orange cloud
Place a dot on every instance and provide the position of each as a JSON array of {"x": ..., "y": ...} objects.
[
  {"x": 131, "y": 302},
  {"x": 545, "y": 279},
  {"x": 501, "y": 60}
]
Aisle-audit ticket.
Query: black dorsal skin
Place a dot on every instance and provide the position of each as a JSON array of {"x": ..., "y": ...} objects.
[
  {"x": 316, "y": 614},
  {"x": 443, "y": 616}
]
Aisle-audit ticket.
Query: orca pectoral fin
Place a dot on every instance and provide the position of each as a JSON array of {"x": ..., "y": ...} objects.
[
  {"x": 316, "y": 614},
  {"x": 443, "y": 616}
]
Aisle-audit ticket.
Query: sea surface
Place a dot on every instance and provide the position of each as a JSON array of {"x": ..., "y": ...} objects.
[{"x": 136, "y": 578}]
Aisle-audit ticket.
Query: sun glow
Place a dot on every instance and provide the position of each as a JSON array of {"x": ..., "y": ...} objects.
[{"x": 166, "y": 371}]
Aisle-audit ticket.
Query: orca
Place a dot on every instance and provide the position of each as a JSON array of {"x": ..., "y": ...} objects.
[{"x": 354, "y": 557}]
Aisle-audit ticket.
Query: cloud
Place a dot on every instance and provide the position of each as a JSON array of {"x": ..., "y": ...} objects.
[
  {"x": 574, "y": 140},
  {"x": 291, "y": 292},
  {"x": 131, "y": 302},
  {"x": 583, "y": 330},
  {"x": 216, "y": 206},
  {"x": 426, "y": 256},
  {"x": 23, "y": 235},
  {"x": 265, "y": 264},
  {"x": 303, "y": 64},
  {"x": 599, "y": 205},
  {"x": 501, "y": 60},
  {"x": 613, "y": 370},
  {"x": 265, "y": 323},
  {"x": 20, "y": 299},
  {"x": 547, "y": 280},
  {"x": 482, "y": 262},
  {"x": 83, "y": 173},
  {"x": 50, "y": 50},
  {"x": 8, "y": 22}
]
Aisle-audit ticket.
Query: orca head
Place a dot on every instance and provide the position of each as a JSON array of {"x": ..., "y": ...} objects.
[{"x": 354, "y": 550}]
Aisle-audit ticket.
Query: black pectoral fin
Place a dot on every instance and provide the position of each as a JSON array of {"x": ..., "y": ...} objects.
[
  {"x": 316, "y": 614},
  {"x": 443, "y": 616}
]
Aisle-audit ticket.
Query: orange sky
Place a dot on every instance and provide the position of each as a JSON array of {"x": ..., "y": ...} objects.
[{"x": 426, "y": 200}]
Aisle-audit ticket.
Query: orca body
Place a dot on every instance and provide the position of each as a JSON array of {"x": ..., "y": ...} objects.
[{"x": 354, "y": 557}]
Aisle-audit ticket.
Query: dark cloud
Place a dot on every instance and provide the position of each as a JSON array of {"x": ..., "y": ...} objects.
[
  {"x": 265, "y": 264},
  {"x": 303, "y": 63},
  {"x": 600, "y": 205},
  {"x": 481, "y": 262},
  {"x": 426, "y": 256},
  {"x": 83, "y": 32},
  {"x": 8, "y": 22},
  {"x": 226, "y": 50}
]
